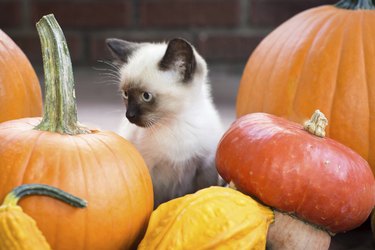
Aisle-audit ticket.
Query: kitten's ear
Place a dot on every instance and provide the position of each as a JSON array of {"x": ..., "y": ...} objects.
[
  {"x": 121, "y": 49},
  {"x": 179, "y": 56}
]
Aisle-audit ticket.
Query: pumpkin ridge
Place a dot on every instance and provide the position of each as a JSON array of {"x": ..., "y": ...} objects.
[
  {"x": 15, "y": 87},
  {"x": 305, "y": 56},
  {"x": 9, "y": 180},
  {"x": 276, "y": 41},
  {"x": 27, "y": 159},
  {"x": 366, "y": 72},
  {"x": 83, "y": 138},
  {"x": 3, "y": 183},
  {"x": 304, "y": 25},
  {"x": 56, "y": 182},
  {"x": 275, "y": 37},
  {"x": 88, "y": 197},
  {"x": 123, "y": 176},
  {"x": 330, "y": 108},
  {"x": 309, "y": 53},
  {"x": 272, "y": 71},
  {"x": 18, "y": 99},
  {"x": 17, "y": 71},
  {"x": 370, "y": 40},
  {"x": 347, "y": 38},
  {"x": 34, "y": 88}
]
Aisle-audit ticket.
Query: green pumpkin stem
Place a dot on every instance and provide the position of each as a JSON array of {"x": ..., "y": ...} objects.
[
  {"x": 60, "y": 110},
  {"x": 40, "y": 189},
  {"x": 317, "y": 124},
  {"x": 356, "y": 4}
]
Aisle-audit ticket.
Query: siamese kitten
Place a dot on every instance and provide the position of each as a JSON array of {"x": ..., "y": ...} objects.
[{"x": 170, "y": 116}]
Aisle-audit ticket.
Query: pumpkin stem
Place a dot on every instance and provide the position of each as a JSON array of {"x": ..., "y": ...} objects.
[
  {"x": 40, "y": 189},
  {"x": 356, "y": 4},
  {"x": 317, "y": 124},
  {"x": 60, "y": 110}
]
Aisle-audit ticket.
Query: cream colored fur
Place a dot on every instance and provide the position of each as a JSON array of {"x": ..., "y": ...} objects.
[{"x": 185, "y": 138}]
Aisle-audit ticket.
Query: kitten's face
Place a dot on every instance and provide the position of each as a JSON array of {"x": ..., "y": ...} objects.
[
  {"x": 157, "y": 80},
  {"x": 146, "y": 105}
]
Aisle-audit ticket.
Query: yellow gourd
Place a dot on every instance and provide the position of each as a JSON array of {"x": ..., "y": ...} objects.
[
  {"x": 18, "y": 231},
  {"x": 212, "y": 218}
]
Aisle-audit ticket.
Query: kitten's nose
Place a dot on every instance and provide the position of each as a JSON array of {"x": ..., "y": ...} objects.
[{"x": 131, "y": 115}]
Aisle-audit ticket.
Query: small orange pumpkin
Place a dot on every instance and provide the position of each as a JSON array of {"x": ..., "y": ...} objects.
[
  {"x": 322, "y": 58},
  {"x": 99, "y": 166},
  {"x": 20, "y": 94}
]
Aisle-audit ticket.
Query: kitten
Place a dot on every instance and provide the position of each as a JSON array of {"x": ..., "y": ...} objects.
[{"x": 170, "y": 116}]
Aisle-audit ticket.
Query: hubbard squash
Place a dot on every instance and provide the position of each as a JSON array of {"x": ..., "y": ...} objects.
[
  {"x": 100, "y": 166},
  {"x": 313, "y": 178},
  {"x": 322, "y": 58},
  {"x": 20, "y": 94},
  {"x": 18, "y": 231}
]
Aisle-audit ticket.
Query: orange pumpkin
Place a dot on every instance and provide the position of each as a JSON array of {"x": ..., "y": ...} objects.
[
  {"x": 322, "y": 58},
  {"x": 20, "y": 94},
  {"x": 99, "y": 166}
]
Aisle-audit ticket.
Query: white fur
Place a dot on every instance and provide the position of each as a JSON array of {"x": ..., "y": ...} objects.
[{"x": 191, "y": 131}]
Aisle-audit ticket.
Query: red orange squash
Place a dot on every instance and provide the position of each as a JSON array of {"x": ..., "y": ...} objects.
[
  {"x": 20, "y": 94},
  {"x": 314, "y": 178},
  {"x": 322, "y": 58},
  {"x": 99, "y": 166}
]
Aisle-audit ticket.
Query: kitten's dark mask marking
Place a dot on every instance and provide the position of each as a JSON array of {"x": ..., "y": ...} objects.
[
  {"x": 137, "y": 110},
  {"x": 179, "y": 51}
]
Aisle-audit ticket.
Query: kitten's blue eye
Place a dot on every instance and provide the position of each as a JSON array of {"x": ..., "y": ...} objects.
[
  {"x": 146, "y": 96},
  {"x": 125, "y": 94}
]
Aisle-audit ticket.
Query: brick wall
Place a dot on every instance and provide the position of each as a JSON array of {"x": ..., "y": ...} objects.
[{"x": 224, "y": 31}]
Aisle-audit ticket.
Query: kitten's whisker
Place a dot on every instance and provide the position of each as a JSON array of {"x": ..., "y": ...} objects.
[
  {"x": 107, "y": 71},
  {"x": 107, "y": 82},
  {"x": 109, "y": 63},
  {"x": 102, "y": 69},
  {"x": 109, "y": 75},
  {"x": 114, "y": 71}
]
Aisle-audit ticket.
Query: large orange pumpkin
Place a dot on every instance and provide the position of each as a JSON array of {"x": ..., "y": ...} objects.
[
  {"x": 322, "y": 58},
  {"x": 20, "y": 94},
  {"x": 101, "y": 167}
]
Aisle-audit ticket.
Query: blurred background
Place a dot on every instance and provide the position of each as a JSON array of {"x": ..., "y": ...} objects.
[{"x": 225, "y": 32}]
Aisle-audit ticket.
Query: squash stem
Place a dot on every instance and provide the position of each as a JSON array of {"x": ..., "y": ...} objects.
[
  {"x": 356, "y": 4},
  {"x": 60, "y": 110},
  {"x": 40, "y": 189},
  {"x": 317, "y": 124}
]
